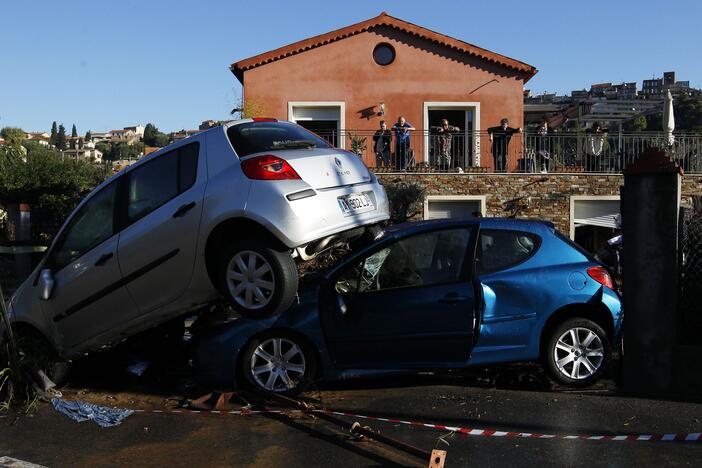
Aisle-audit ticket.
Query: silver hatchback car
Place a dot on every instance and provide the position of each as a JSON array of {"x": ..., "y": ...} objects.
[{"x": 223, "y": 213}]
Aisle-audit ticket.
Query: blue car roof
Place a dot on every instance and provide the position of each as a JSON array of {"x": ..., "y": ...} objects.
[{"x": 485, "y": 223}]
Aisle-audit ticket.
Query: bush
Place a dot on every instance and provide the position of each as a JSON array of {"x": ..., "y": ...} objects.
[
  {"x": 45, "y": 180},
  {"x": 406, "y": 200}
]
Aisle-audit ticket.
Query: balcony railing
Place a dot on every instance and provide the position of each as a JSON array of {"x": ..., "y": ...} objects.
[{"x": 606, "y": 153}]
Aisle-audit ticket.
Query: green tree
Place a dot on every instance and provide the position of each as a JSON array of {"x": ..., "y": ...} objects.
[
  {"x": 61, "y": 138},
  {"x": 688, "y": 113},
  {"x": 136, "y": 150},
  {"x": 13, "y": 136},
  {"x": 51, "y": 184},
  {"x": 74, "y": 134},
  {"x": 88, "y": 136},
  {"x": 54, "y": 134},
  {"x": 107, "y": 150},
  {"x": 153, "y": 137},
  {"x": 639, "y": 124}
]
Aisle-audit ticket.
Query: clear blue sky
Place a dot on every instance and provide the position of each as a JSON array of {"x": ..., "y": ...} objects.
[{"x": 108, "y": 64}]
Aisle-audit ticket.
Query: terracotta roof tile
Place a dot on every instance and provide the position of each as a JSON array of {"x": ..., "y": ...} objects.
[{"x": 238, "y": 68}]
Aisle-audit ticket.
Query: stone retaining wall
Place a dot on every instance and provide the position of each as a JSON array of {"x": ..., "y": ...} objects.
[{"x": 532, "y": 196}]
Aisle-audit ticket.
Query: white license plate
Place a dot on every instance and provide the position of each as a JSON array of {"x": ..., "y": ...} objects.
[{"x": 355, "y": 203}]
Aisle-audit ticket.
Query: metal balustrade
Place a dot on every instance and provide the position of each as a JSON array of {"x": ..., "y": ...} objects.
[{"x": 529, "y": 152}]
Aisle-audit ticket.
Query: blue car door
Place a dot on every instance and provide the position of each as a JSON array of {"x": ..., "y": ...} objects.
[{"x": 410, "y": 303}]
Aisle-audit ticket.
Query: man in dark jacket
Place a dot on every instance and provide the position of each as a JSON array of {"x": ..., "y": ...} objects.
[
  {"x": 500, "y": 137},
  {"x": 382, "y": 139}
]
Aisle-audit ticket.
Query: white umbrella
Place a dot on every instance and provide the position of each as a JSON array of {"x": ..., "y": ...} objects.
[{"x": 668, "y": 118}]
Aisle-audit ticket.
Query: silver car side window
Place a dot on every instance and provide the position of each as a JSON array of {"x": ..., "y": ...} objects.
[{"x": 91, "y": 225}]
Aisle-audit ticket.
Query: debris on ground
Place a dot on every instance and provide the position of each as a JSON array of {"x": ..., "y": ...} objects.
[{"x": 82, "y": 411}]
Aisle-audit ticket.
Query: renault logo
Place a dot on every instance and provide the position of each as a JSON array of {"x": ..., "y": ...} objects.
[{"x": 338, "y": 162}]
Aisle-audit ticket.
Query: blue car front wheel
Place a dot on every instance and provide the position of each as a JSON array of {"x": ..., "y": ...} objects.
[{"x": 279, "y": 361}]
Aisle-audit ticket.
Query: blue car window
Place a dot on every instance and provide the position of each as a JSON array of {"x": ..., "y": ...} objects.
[
  {"x": 424, "y": 259},
  {"x": 501, "y": 249}
]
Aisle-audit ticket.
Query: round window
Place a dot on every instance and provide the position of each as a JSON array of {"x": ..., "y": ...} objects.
[{"x": 383, "y": 54}]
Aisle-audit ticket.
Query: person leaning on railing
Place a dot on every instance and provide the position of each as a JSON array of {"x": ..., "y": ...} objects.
[
  {"x": 402, "y": 142},
  {"x": 500, "y": 137},
  {"x": 444, "y": 136}
]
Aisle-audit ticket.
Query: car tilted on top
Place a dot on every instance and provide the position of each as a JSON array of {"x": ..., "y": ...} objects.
[
  {"x": 222, "y": 213},
  {"x": 428, "y": 296}
]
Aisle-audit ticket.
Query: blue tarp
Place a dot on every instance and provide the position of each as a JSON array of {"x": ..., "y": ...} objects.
[{"x": 81, "y": 411}]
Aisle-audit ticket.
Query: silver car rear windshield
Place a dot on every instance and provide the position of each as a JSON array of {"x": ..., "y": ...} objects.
[{"x": 256, "y": 137}]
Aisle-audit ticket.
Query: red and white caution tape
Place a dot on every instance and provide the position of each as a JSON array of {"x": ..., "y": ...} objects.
[{"x": 676, "y": 437}]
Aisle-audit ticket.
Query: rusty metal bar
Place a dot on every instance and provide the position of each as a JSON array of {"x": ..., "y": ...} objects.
[{"x": 354, "y": 428}]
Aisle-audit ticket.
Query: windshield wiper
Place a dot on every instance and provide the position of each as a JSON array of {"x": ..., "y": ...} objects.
[{"x": 294, "y": 144}]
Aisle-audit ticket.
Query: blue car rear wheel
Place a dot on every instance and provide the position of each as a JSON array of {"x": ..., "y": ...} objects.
[{"x": 577, "y": 352}]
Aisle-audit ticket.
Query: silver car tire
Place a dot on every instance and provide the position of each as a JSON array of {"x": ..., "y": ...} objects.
[
  {"x": 258, "y": 281},
  {"x": 577, "y": 352},
  {"x": 278, "y": 361}
]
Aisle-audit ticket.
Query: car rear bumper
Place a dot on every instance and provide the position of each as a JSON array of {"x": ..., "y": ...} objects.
[{"x": 300, "y": 221}]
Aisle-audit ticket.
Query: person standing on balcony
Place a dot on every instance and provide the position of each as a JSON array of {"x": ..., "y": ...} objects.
[
  {"x": 596, "y": 136},
  {"x": 500, "y": 137},
  {"x": 542, "y": 146},
  {"x": 444, "y": 136},
  {"x": 402, "y": 142},
  {"x": 382, "y": 139}
]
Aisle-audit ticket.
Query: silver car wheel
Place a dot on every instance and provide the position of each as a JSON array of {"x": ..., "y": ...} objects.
[
  {"x": 277, "y": 365},
  {"x": 578, "y": 353},
  {"x": 250, "y": 280}
]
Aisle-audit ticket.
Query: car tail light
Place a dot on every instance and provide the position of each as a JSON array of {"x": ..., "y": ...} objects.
[
  {"x": 601, "y": 275},
  {"x": 264, "y": 119},
  {"x": 268, "y": 167}
]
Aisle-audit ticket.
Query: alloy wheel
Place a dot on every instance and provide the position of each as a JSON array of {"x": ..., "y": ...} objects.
[
  {"x": 250, "y": 279},
  {"x": 277, "y": 365},
  {"x": 578, "y": 353}
]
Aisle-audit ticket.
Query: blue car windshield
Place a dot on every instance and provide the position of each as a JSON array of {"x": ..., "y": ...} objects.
[{"x": 256, "y": 137}]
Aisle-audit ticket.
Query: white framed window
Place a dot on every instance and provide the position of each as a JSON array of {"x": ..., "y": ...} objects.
[
  {"x": 326, "y": 118},
  {"x": 453, "y": 206}
]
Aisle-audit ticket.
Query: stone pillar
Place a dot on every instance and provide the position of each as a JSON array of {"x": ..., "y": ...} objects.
[{"x": 650, "y": 205}]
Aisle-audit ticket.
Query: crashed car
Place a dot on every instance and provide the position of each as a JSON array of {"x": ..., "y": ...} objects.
[
  {"x": 221, "y": 214},
  {"x": 427, "y": 296}
]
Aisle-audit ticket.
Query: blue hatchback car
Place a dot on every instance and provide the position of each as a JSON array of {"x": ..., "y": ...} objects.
[{"x": 430, "y": 295}]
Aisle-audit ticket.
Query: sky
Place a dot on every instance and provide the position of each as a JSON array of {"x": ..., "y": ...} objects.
[{"x": 109, "y": 64}]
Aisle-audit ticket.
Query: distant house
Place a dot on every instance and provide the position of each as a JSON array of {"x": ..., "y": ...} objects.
[
  {"x": 97, "y": 137},
  {"x": 207, "y": 124},
  {"x": 177, "y": 136},
  {"x": 127, "y": 136},
  {"x": 84, "y": 154},
  {"x": 137, "y": 129},
  {"x": 39, "y": 137}
]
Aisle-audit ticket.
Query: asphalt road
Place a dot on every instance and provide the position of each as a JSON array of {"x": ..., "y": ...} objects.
[{"x": 49, "y": 438}]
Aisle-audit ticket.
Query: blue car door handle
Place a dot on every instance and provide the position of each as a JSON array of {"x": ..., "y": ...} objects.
[
  {"x": 453, "y": 298},
  {"x": 104, "y": 259},
  {"x": 180, "y": 212}
]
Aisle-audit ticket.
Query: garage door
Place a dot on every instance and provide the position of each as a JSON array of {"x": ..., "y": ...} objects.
[
  {"x": 441, "y": 209},
  {"x": 602, "y": 213}
]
